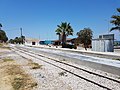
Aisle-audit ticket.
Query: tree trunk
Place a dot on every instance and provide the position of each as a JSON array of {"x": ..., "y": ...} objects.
[
  {"x": 63, "y": 40},
  {"x": 85, "y": 46}
]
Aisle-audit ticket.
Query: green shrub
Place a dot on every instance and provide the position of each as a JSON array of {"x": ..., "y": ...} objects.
[
  {"x": 70, "y": 46},
  {"x": 118, "y": 59}
]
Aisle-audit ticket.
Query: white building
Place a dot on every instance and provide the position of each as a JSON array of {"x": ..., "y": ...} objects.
[
  {"x": 102, "y": 45},
  {"x": 31, "y": 41},
  {"x": 105, "y": 43}
]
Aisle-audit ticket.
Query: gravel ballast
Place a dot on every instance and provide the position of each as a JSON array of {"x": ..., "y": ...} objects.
[{"x": 52, "y": 78}]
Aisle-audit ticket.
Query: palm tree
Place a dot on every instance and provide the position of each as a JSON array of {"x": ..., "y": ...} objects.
[
  {"x": 0, "y": 26},
  {"x": 63, "y": 31},
  {"x": 116, "y": 21},
  {"x": 58, "y": 32},
  {"x": 85, "y": 37}
]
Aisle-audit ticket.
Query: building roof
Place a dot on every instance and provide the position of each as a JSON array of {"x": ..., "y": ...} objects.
[{"x": 32, "y": 39}]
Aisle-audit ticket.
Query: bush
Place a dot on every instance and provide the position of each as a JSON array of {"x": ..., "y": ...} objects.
[
  {"x": 36, "y": 66},
  {"x": 70, "y": 46}
]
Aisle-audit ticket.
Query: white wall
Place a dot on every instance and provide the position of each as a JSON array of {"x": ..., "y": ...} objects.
[
  {"x": 30, "y": 43},
  {"x": 102, "y": 45}
]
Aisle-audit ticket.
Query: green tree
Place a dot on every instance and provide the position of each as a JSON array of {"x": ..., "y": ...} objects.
[
  {"x": 3, "y": 37},
  {"x": 11, "y": 41},
  {"x": 64, "y": 30},
  {"x": 18, "y": 40},
  {"x": 116, "y": 21},
  {"x": 85, "y": 37},
  {"x": 0, "y": 26},
  {"x": 22, "y": 39}
]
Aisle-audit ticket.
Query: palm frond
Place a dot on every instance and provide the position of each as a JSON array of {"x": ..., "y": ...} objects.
[
  {"x": 118, "y": 9},
  {"x": 115, "y": 21},
  {"x": 115, "y": 28},
  {"x": 0, "y": 25},
  {"x": 58, "y": 31}
]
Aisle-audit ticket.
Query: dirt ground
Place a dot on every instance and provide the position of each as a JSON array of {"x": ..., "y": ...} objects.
[{"x": 12, "y": 76}]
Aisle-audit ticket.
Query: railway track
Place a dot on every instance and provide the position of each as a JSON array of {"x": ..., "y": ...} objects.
[{"x": 59, "y": 64}]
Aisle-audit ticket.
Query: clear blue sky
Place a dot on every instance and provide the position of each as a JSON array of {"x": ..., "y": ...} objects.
[{"x": 39, "y": 18}]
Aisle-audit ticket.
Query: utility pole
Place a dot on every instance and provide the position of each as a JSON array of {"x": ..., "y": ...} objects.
[
  {"x": 21, "y": 35},
  {"x": 21, "y": 31}
]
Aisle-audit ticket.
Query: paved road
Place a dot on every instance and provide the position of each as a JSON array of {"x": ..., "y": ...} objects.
[{"x": 105, "y": 61}]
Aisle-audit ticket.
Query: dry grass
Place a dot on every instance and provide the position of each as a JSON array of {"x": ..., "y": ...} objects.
[
  {"x": 4, "y": 46},
  {"x": 34, "y": 65},
  {"x": 18, "y": 82},
  {"x": 1, "y": 45},
  {"x": 12, "y": 76},
  {"x": 17, "y": 77},
  {"x": 21, "y": 81},
  {"x": 7, "y": 59},
  {"x": 63, "y": 60}
]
